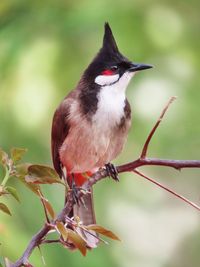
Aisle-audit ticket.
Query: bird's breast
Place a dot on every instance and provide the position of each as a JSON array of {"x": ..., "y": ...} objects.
[
  {"x": 95, "y": 140},
  {"x": 110, "y": 108}
]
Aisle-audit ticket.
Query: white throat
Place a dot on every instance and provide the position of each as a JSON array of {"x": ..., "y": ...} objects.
[
  {"x": 104, "y": 80},
  {"x": 111, "y": 101}
]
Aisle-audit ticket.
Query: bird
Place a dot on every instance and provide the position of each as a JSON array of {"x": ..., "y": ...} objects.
[{"x": 91, "y": 124}]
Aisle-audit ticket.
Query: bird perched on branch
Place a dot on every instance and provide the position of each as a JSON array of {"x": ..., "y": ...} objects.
[{"x": 91, "y": 124}]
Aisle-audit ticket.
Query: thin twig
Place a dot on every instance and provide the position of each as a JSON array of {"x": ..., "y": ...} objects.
[
  {"x": 168, "y": 190},
  {"x": 35, "y": 241},
  {"x": 145, "y": 147},
  {"x": 41, "y": 255}
]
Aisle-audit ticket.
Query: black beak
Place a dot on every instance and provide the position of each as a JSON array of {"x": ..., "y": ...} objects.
[{"x": 139, "y": 66}]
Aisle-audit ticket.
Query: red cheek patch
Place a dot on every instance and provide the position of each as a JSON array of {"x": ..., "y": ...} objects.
[{"x": 107, "y": 72}]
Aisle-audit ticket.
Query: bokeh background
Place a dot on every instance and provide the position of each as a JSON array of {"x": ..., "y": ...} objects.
[{"x": 44, "y": 48}]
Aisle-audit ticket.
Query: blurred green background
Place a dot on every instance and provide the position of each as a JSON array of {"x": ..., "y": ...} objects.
[{"x": 44, "y": 48}]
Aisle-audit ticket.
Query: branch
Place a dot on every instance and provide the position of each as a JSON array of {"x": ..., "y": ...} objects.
[
  {"x": 168, "y": 190},
  {"x": 145, "y": 147},
  {"x": 35, "y": 241},
  {"x": 39, "y": 238},
  {"x": 102, "y": 174},
  {"x": 176, "y": 164}
]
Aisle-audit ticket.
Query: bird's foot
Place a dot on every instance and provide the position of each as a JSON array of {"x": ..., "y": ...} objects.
[
  {"x": 112, "y": 171},
  {"x": 75, "y": 192}
]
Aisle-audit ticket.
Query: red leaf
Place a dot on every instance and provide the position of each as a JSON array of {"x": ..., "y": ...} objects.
[
  {"x": 77, "y": 241},
  {"x": 62, "y": 230},
  {"x": 101, "y": 230}
]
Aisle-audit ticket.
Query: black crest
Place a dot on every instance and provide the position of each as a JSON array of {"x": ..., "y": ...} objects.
[
  {"x": 109, "y": 43},
  {"x": 107, "y": 56}
]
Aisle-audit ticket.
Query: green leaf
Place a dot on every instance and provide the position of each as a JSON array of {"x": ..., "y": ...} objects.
[
  {"x": 62, "y": 230},
  {"x": 4, "y": 208},
  {"x": 101, "y": 230},
  {"x": 21, "y": 172},
  {"x": 17, "y": 153},
  {"x": 13, "y": 192},
  {"x": 33, "y": 187},
  {"x": 40, "y": 174},
  {"x": 22, "y": 169},
  {"x": 3, "y": 157},
  {"x": 77, "y": 241}
]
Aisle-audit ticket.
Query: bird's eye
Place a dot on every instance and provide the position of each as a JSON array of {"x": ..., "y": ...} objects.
[
  {"x": 110, "y": 71},
  {"x": 114, "y": 68}
]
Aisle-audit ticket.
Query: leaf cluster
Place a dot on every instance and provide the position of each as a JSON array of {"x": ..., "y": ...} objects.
[
  {"x": 9, "y": 163},
  {"x": 74, "y": 236},
  {"x": 30, "y": 175}
]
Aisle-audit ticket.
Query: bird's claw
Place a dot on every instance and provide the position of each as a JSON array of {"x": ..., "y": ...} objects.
[
  {"x": 112, "y": 171},
  {"x": 76, "y": 193}
]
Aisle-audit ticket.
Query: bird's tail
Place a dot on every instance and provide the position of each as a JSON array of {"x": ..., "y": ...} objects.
[{"x": 84, "y": 211}]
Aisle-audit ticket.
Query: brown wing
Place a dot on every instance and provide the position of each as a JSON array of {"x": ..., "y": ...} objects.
[{"x": 60, "y": 129}]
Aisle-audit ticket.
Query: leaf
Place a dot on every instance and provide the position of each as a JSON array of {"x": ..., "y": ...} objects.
[
  {"x": 77, "y": 241},
  {"x": 33, "y": 187},
  {"x": 22, "y": 169},
  {"x": 49, "y": 208},
  {"x": 72, "y": 236},
  {"x": 63, "y": 231},
  {"x": 41, "y": 174},
  {"x": 3, "y": 157},
  {"x": 17, "y": 153},
  {"x": 21, "y": 172},
  {"x": 101, "y": 230},
  {"x": 13, "y": 192},
  {"x": 4, "y": 208}
]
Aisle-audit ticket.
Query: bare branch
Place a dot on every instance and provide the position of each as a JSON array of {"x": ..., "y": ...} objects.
[
  {"x": 171, "y": 163},
  {"x": 35, "y": 241},
  {"x": 168, "y": 190},
  {"x": 101, "y": 174},
  {"x": 145, "y": 147}
]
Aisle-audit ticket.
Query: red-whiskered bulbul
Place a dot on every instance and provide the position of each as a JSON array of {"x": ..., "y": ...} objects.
[{"x": 91, "y": 124}]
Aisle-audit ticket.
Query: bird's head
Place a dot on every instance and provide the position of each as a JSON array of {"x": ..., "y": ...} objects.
[{"x": 110, "y": 67}]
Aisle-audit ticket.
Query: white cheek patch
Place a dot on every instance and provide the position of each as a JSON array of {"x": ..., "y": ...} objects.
[{"x": 104, "y": 80}]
